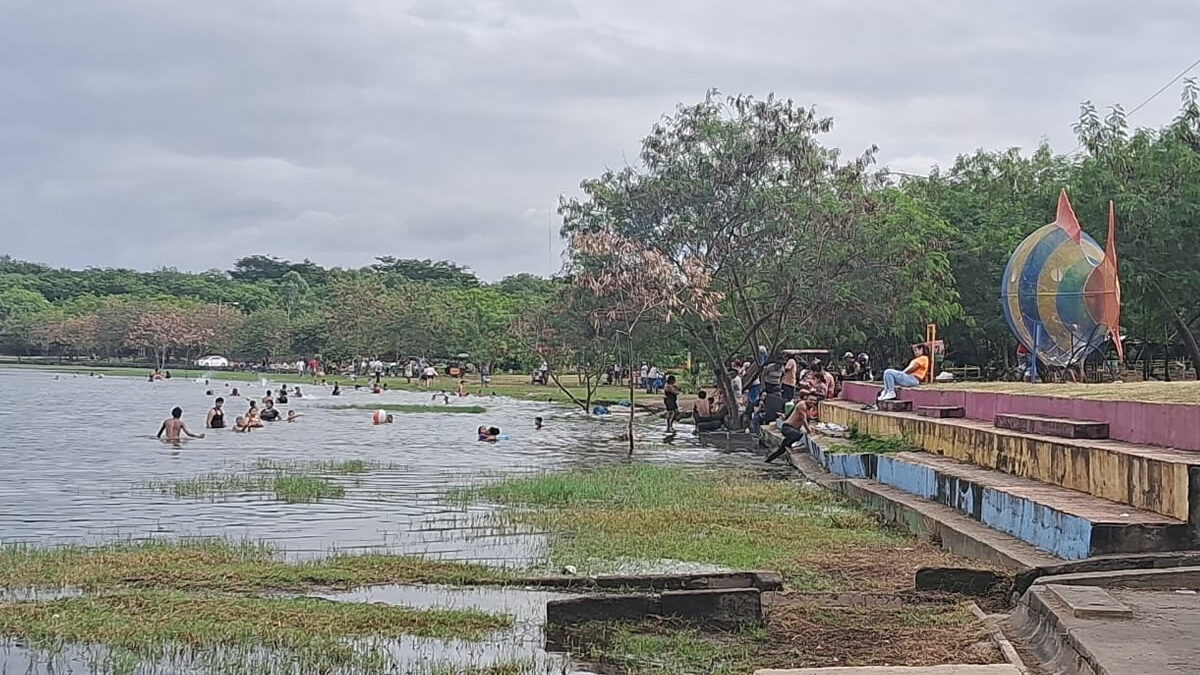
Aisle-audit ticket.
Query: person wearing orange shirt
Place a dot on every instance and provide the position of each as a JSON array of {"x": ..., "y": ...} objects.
[{"x": 909, "y": 377}]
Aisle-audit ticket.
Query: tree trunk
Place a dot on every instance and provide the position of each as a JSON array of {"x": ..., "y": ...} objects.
[{"x": 630, "y": 394}]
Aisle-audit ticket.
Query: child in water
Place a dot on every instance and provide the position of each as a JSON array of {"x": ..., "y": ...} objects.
[
  {"x": 462, "y": 389},
  {"x": 486, "y": 435},
  {"x": 240, "y": 426},
  {"x": 294, "y": 416},
  {"x": 537, "y": 423}
]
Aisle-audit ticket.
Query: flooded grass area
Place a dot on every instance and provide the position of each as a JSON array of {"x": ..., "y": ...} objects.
[
  {"x": 795, "y": 636},
  {"x": 220, "y": 566},
  {"x": 318, "y": 635},
  {"x": 292, "y": 482},
  {"x": 603, "y": 519}
]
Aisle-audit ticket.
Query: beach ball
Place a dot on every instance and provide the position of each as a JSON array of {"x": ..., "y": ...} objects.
[
  {"x": 379, "y": 416},
  {"x": 1060, "y": 292}
]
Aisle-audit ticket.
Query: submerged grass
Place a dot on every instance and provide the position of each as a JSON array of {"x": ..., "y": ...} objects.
[
  {"x": 419, "y": 408},
  {"x": 218, "y": 565},
  {"x": 293, "y": 482},
  {"x": 318, "y": 635},
  {"x": 604, "y": 518}
]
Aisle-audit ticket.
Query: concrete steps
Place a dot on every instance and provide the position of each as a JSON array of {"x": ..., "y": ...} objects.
[
  {"x": 1147, "y": 478},
  {"x": 1052, "y": 426},
  {"x": 941, "y": 411},
  {"x": 1069, "y": 524}
]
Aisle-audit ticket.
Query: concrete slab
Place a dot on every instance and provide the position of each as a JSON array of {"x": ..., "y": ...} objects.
[
  {"x": 1090, "y": 602},
  {"x": 895, "y": 405},
  {"x": 941, "y": 411},
  {"x": 1053, "y": 426},
  {"x": 998, "y": 669},
  {"x": 1163, "y": 638}
]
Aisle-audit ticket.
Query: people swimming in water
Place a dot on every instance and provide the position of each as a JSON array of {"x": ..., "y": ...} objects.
[
  {"x": 216, "y": 416},
  {"x": 462, "y": 389},
  {"x": 294, "y": 416},
  {"x": 537, "y": 423},
  {"x": 174, "y": 425},
  {"x": 489, "y": 434},
  {"x": 234, "y": 392},
  {"x": 253, "y": 417},
  {"x": 208, "y": 392},
  {"x": 267, "y": 398},
  {"x": 376, "y": 389},
  {"x": 337, "y": 390},
  {"x": 282, "y": 398},
  {"x": 240, "y": 425},
  {"x": 297, "y": 392},
  {"x": 269, "y": 412}
]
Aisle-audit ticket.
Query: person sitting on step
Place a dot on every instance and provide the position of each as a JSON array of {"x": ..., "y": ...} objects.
[{"x": 911, "y": 376}]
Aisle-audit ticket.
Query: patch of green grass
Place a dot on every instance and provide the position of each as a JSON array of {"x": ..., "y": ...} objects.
[
  {"x": 316, "y": 635},
  {"x": 879, "y": 446},
  {"x": 419, "y": 408},
  {"x": 294, "y": 488},
  {"x": 602, "y": 518},
  {"x": 670, "y": 651},
  {"x": 219, "y": 565}
]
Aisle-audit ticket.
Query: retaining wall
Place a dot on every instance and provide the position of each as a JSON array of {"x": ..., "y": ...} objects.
[{"x": 1173, "y": 425}]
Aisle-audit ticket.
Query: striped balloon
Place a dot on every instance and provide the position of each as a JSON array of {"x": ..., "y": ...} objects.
[{"x": 1060, "y": 294}]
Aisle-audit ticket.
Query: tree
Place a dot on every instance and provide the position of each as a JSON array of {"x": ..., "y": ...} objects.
[
  {"x": 738, "y": 199},
  {"x": 264, "y": 334},
  {"x": 564, "y": 334},
  {"x": 292, "y": 290},
  {"x": 632, "y": 285},
  {"x": 400, "y": 270}
]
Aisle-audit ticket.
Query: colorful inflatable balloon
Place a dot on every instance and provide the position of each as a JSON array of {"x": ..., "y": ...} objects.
[{"x": 1061, "y": 294}]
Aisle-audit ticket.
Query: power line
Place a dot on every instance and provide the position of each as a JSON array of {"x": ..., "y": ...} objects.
[{"x": 1153, "y": 96}]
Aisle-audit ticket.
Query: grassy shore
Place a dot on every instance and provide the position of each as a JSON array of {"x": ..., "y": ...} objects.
[
  {"x": 643, "y": 514},
  {"x": 514, "y": 386}
]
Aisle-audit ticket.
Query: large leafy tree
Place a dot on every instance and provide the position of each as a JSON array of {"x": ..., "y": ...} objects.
[{"x": 795, "y": 241}]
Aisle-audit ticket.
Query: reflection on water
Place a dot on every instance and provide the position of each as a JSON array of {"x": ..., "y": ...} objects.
[{"x": 78, "y": 449}]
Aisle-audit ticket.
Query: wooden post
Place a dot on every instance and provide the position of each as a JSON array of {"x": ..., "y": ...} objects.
[{"x": 930, "y": 339}]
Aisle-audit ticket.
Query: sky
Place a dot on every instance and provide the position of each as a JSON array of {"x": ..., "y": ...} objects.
[{"x": 150, "y": 133}]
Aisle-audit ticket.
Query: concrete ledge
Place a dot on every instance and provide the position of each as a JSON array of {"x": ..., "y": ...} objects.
[
  {"x": 1165, "y": 579},
  {"x": 997, "y": 669},
  {"x": 1105, "y": 565},
  {"x": 895, "y": 405},
  {"x": 763, "y": 580},
  {"x": 1089, "y": 602},
  {"x": 601, "y": 608},
  {"x": 1053, "y": 426},
  {"x": 727, "y": 609},
  {"x": 941, "y": 411}
]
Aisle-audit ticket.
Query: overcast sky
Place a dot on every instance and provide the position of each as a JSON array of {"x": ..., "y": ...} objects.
[{"x": 143, "y": 133}]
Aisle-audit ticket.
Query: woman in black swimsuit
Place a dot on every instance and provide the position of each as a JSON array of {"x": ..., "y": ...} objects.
[
  {"x": 671, "y": 403},
  {"x": 216, "y": 416}
]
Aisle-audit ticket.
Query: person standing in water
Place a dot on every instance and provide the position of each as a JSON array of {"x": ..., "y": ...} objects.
[
  {"x": 537, "y": 423},
  {"x": 671, "y": 403},
  {"x": 216, "y": 416},
  {"x": 173, "y": 425}
]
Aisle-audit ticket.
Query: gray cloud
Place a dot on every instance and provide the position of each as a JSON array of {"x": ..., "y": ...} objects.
[{"x": 141, "y": 133}]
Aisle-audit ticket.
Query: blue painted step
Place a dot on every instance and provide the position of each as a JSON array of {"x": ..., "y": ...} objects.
[{"x": 1072, "y": 525}]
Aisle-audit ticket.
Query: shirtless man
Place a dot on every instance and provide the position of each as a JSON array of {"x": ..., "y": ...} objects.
[
  {"x": 173, "y": 425},
  {"x": 794, "y": 428}
]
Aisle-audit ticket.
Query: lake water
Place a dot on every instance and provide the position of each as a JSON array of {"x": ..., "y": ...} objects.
[{"x": 78, "y": 453}]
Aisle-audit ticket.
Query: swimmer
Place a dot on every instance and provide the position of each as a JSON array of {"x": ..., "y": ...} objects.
[
  {"x": 462, "y": 389},
  {"x": 267, "y": 399},
  {"x": 375, "y": 389},
  {"x": 337, "y": 390},
  {"x": 537, "y": 423},
  {"x": 240, "y": 425},
  {"x": 270, "y": 413},
  {"x": 208, "y": 393},
  {"x": 282, "y": 398},
  {"x": 252, "y": 417},
  {"x": 216, "y": 416},
  {"x": 294, "y": 416},
  {"x": 234, "y": 392},
  {"x": 173, "y": 425},
  {"x": 486, "y": 434},
  {"x": 298, "y": 394}
]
